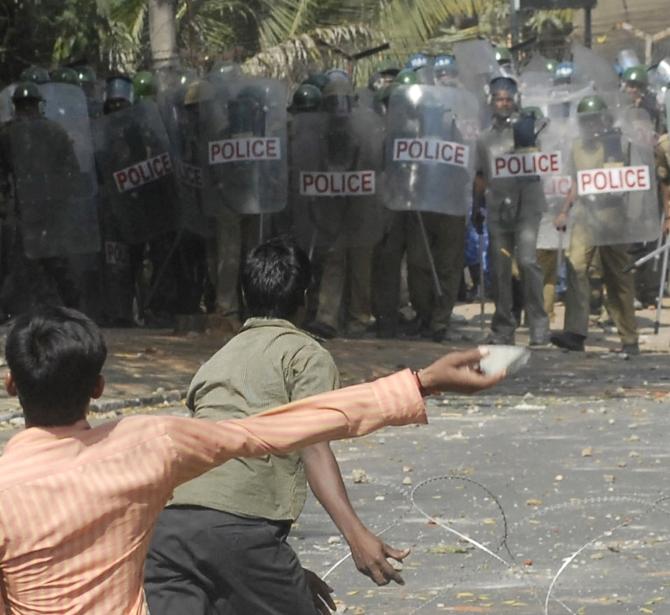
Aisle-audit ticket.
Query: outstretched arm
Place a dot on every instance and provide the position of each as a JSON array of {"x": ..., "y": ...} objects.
[{"x": 345, "y": 413}]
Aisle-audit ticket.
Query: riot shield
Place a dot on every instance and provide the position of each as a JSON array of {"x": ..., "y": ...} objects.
[
  {"x": 137, "y": 172},
  {"x": 615, "y": 181},
  {"x": 67, "y": 105},
  {"x": 590, "y": 66},
  {"x": 428, "y": 160},
  {"x": 556, "y": 101},
  {"x": 335, "y": 164},
  {"x": 250, "y": 161},
  {"x": 199, "y": 122},
  {"x": 555, "y": 138},
  {"x": 55, "y": 202},
  {"x": 477, "y": 64},
  {"x": 6, "y": 106}
]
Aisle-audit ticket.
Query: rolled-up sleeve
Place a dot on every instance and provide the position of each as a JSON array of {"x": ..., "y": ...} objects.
[{"x": 353, "y": 411}]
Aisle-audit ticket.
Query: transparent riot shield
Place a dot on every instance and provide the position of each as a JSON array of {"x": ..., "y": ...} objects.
[
  {"x": 199, "y": 122},
  {"x": 477, "y": 64},
  {"x": 250, "y": 160},
  {"x": 137, "y": 172},
  {"x": 67, "y": 105},
  {"x": 55, "y": 202},
  {"x": 556, "y": 186},
  {"x": 615, "y": 180},
  {"x": 590, "y": 66},
  {"x": 365, "y": 98},
  {"x": 6, "y": 106},
  {"x": 557, "y": 101},
  {"x": 335, "y": 165},
  {"x": 428, "y": 160}
]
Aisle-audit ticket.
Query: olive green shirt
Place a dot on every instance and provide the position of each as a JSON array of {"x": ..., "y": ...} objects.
[{"x": 270, "y": 362}]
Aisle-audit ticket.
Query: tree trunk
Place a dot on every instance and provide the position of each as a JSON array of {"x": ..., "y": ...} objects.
[{"x": 163, "y": 33}]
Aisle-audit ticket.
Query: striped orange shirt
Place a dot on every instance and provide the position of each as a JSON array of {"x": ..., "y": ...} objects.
[{"x": 78, "y": 504}]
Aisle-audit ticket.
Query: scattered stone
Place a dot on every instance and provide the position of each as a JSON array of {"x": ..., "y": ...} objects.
[{"x": 359, "y": 476}]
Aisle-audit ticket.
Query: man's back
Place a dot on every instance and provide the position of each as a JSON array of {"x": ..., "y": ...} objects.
[
  {"x": 74, "y": 536},
  {"x": 269, "y": 363}
]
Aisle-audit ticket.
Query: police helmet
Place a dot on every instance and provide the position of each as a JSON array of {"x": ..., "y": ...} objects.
[
  {"x": 144, "y": 85},
  {"x": 564, "y": 72},
  {"x": 63, "y": 74},
  {"x": 119, "y": 87},
  {"x": 406, "y": 77},
  {"x": 506, "y": 84},
  {"x": 85, "y": 75},
  {"x": 36, "y": 74},
  {"x": 306, "y": 98},
  {"x": 591, "y": 104},
  {"x": 416, "y": 61},
  {"x": 636, "y": 76},
  {"x": 337, "y": 74},
  {"x": 503, "y": 55},
  {"x": 445, "y": 65},
  {"x": 26, "y": 90}
]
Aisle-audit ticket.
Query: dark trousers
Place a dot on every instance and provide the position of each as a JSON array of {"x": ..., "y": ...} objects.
[{"x": 206, "y": 562}]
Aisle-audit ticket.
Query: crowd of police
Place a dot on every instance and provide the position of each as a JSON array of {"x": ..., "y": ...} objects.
[{"x": 135, "y": 200}]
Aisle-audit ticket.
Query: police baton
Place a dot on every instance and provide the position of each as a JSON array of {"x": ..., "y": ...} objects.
[
  {"x": 429, "y": 253},
  {"x": 559, "y": 258},
  {"x": 480, "y": 251},
  {"x": 647, "y": 257}
]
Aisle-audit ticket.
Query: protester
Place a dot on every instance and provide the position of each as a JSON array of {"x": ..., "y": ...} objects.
[
  {"x": 246, "y": 507},
  {"x": 79, "y": 503}
]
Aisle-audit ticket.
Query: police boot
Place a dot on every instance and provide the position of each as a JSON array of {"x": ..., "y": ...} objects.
[{"x": 569, "y": 341}]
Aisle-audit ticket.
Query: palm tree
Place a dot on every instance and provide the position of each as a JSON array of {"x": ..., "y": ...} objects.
[{"x": 283, "y": 38}]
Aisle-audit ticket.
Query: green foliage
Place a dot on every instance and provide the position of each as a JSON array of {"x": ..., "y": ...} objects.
[{"x": 278, "y": 37}]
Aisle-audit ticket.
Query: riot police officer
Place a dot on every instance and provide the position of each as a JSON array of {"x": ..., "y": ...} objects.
[
  {"x": 343, "y": 226},
  {"x": 514, "y": 210},
  {"x": 635, "y": 82},
  {"x": 38, "y": 156},
  {"x": 599, "y": 222}
]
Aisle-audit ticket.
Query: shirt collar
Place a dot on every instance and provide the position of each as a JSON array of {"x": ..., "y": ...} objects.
[
  {"x": 33, "y": 434},
  {"x": 255, "y": 322}
]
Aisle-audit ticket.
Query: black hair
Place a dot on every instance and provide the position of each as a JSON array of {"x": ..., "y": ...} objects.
[
  {"x": 55, "y": 355},
  {"x": 275, "y": 277}
]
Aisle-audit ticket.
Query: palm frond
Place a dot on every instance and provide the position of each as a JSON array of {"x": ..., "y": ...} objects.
[{"x": 322, "y": 47}]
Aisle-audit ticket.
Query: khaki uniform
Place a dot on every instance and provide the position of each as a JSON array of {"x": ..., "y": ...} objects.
[
  {"x": 548, "y": 261},
  {"x": 620, "y": 286}
]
